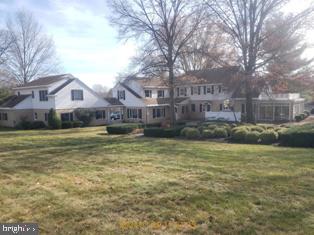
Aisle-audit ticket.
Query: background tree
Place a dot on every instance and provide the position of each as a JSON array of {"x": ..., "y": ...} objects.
[
  {"x": 163, "y": 27},
  {"x": 32, "y": 53},
  {"x": 5, "y": 43},
  {"x": 209, "y": 47},
  {"x": 290, "y": 63},
  {"x": 101, "y": 90},
  {"x": 244, "y": 21}
]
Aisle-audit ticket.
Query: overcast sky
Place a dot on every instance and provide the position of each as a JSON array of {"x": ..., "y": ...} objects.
[{"x": 86, "y": 44}]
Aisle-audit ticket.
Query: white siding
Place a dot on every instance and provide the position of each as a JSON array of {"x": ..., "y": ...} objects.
[
  {"x": 63, "y": 99},
  {"x": 130, "y": 99}
]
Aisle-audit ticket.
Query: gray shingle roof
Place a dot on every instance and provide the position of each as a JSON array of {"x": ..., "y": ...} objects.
[
  {"x": 131, "y": 90},
  {"x": 12, "y": 101},
  {"x": 59, "y": 88},
  {"x": 45, "y": 81},
  {"x": 113, "y": 101}
]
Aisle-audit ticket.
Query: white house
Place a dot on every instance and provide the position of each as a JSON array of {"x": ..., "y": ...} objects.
[
  {"x": 64, "y": 93},
  {"x": 199, "y": 93}
]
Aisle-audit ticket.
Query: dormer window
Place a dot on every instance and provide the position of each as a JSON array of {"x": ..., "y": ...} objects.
[
  {"x": 43, "y": 95},
  {"x": 77, "y": 95},
  {"x": 161, "y": 94},
  {"x": 121, "y": 95},
  {"x": 148, "y": 93}
]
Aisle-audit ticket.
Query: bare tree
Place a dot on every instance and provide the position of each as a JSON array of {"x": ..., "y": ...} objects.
[
  {"x": 5, "y": 43},
  {"x": 163, "y": 27},
  {"x": 32, "y": 53},
  {"x": 209, "y": 47},
  {"x": 101, "y": 90},
  {"x": 244, "y": 21}
]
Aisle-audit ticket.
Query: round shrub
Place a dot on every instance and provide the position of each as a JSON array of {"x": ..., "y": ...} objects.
[
  {"x": 233, "y": 125},
  {"x": 257, "y": 128},
  {"x": 252, "y": 137},
  {"x": 38, "y": 125},
  {"x": 191, "y": 133},
  {"x": 307, "y": 114},
  {"x": 212, "y": 126},
  {"x": 77, "y": 124},
  {"x": 239, "y": 135},
  {"x": 208, "y": 134},
  {"x": 268, "y": 137},
  {"x": 221, "y": 133},
  {"x": 120, "y": 129}
]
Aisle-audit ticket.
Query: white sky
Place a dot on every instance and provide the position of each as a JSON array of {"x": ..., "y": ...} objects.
[{"x": 86, "y": 44}]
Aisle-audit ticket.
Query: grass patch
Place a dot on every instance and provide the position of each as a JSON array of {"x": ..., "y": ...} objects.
[{"x": 80, "y": 181}]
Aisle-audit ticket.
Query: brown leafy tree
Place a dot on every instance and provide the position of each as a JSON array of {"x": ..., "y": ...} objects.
[
  {"x": 245, "y": 21},
  {"x": 163, "y": 27},
  {"x": 31, "y": 53}
]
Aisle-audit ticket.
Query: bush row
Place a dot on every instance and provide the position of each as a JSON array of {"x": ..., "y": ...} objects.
[
  {"x": 26, "y": 125},
  {"x": 74, "y": 124},
  {"x": 302, "y": 116},
  {"x": 163, "y": 132},
  {"x": 298, "y": 136},
  {"x": 125, "y": 128}
]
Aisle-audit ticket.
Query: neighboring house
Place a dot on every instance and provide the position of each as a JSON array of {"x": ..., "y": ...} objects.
[
  {"x": 64, "y": 93},
  {"x": 199, "y": 93}
]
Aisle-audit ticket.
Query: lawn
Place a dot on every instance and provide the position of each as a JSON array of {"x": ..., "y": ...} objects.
[{"x": 81, "y": 181}]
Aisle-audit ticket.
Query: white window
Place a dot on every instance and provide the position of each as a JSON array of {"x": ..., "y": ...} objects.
[
  {"x": 35, "y": 116},
  {"x": 121, "y": 95},
  {"x": 43, "y": 95},
  {"x": 100, "y": 114},
  {"x": 77, "y": 95},
  {"x": 148, "y": 93},
  {"x": 161, "y": 94},
  {"x": 183, "y": 91},
  {"x": 134, "y": 113},
  {"x": 159, "y": 112}
]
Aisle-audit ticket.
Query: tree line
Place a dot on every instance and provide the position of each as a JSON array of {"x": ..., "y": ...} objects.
[{"x": 26, "y": 51}]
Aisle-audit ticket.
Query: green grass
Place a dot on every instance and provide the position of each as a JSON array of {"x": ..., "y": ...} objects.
[{"x": 81, "y": 181}]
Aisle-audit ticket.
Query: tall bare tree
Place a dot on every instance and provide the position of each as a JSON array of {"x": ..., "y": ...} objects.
[
  {"x": 209, "y": 47},
  {"x": 32, "y": 53},
  {"x": 244, "y": 21},
  {"x": 5, "y": 43},
  {"x": 163, "y": 27}
]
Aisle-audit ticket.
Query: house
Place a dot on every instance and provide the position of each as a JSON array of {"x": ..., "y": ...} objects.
[
  {"x": 200, "y": 93},
  {"x": 64, "y": 93}
]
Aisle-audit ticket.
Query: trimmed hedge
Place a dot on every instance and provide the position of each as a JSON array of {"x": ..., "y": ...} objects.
[
  {"x": 26, "y": 125},
  {"x": 239, "y": 135},
  {"x": 269, "y": 137},
  {"x": 120, "y": 129},
  {"x": 252, "y": 137},
  {"x": 38, "y": 125},
  {"x": 163, "y": 132},
  {"x": 208, "y": 134},
  {"x": 190, "y": 133},
  {"x": 77, "y": 124},
  {"x": 221, "y": 132},
  {"x": 67, "y": 125},
  {"x": 298, "y": 136}
]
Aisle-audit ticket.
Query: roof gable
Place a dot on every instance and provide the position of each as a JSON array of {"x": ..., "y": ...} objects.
[{"x": 12, "y": 101}]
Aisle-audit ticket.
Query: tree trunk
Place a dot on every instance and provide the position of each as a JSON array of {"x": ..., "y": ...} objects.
[
  {"x": 249, "y": 100},
  {"x": 172, "y": 102}
]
